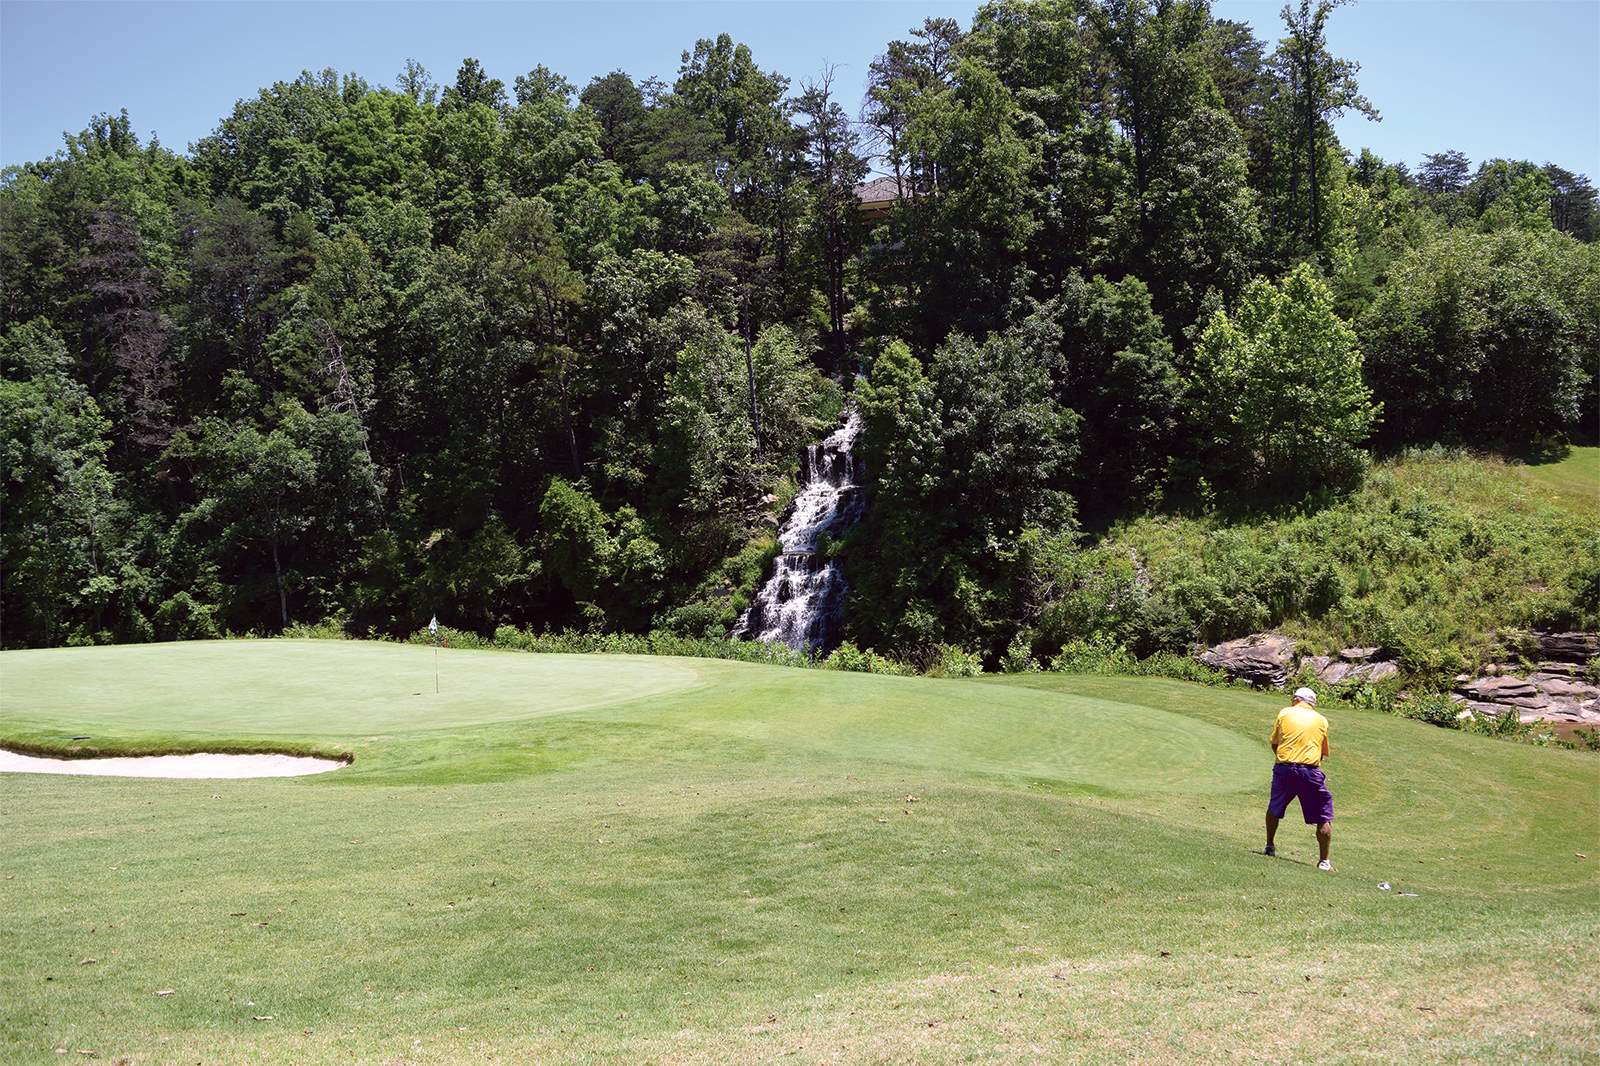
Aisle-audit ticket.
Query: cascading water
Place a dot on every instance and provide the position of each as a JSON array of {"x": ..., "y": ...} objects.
[{"x": 800, "y": 602}]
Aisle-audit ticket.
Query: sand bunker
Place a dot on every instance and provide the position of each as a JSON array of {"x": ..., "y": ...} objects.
[{"x": 203, "y": 765}]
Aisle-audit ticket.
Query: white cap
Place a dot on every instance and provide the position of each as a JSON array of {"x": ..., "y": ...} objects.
[{"x": 1305, "y": 695}]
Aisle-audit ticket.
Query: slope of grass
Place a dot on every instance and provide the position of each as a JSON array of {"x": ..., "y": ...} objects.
[
  {"x": 1573, "y": 481},
  {"x": 751, "y": 863},
  {"x": 1435, "y": 553}
]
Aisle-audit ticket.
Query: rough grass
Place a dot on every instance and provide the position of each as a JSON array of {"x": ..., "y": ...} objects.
[
  {"x": 734, "y": 870},
  {"x": 1434, "y": 554}
]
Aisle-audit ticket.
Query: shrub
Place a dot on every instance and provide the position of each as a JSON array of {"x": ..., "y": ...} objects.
[
  {"x": 703, "y": 620},
  {"x": 1096, "y": 655},
  {"x": 1018, "y": 658},
  {"x": 334, "y": 627},
  {"x": 1508, "y": 725},
  {"x": 1435, "y": 709},
  {"x": 450, "y": 638},
  {"x": 849, "y": 657},
  {"x": 182, "y": 617},
  {"x": 1179, "y": 668},
  {"x": 951, "y": 661}
]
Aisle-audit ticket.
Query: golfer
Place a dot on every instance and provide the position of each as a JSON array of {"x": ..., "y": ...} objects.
[{"x": 1300, "y": 741}]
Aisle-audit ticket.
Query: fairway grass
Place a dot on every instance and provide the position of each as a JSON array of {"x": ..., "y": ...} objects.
[
  {"x": 1573, "y": 480},
  {"x": 631, "y": 859}
]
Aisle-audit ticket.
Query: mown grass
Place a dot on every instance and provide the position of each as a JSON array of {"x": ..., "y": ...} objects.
[
  {"x": 1574, "y": 480},
  {"x": 735, "y": 869}
]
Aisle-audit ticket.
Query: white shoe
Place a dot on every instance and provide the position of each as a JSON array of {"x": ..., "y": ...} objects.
[{"x": 1325, "y": 865}]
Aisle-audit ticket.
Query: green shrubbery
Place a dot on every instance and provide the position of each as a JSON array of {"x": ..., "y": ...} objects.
[
  {"x": 951, "y": 661},
  {"x": 849, "y": 657},
  {"x": 1433, "y": 555},
  {"x": 1101, "y": 655},
  {"x": 1433, "y": 708},
  {"x": 726, "y": 592}
]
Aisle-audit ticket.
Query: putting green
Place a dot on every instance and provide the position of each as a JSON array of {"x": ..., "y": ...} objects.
[
  {"x": 246, "y": 689},
  {"x": 377, "y": 700}
]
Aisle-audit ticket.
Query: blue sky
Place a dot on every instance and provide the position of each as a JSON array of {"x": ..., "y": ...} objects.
[{"x": 1518, "y": 78}]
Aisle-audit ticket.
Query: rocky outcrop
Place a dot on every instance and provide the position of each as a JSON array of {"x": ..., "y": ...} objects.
[
  {"x": 1271, "y": 659},
  {"x": 1261, "y": 659},
  {"x": 1554, "y": 690},
  {"x": 1577, "y": 648},
  {"x": 1540, "y": 695},
  {"x": 1557, "y": 689},
  {"x": 1354, "y": 666}
]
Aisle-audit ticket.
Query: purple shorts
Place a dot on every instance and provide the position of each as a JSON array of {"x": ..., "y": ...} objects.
[{"x": 1292, "y": 780}]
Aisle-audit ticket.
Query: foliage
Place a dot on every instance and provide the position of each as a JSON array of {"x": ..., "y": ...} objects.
[
  {"x": 534, "y": 355},
  {"x": 1097, "y": 655},
  {"x": 951, "y": 661},
  {"x": 1279, "y": 384},
  {"x": 1435, "y": 552},
  {"x": 1486, "y": 338},
  {"x": 1018, "y": 658},
  {"x": 1433, "y": 708},
  {"x": 854, "y": 660}
]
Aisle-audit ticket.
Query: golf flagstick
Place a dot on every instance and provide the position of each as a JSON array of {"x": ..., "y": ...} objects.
[{"x": 433, "y": 638}]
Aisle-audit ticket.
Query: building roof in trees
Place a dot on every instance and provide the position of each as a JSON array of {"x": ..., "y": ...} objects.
[{"x": 877, "y": 196}]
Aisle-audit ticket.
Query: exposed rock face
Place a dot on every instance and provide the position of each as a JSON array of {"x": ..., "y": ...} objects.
[
  {"x": 1270, "y": 658},
  {"x": 1568, "y": 647},
  {"x": 1348, "y": 670},
  {"x": 1555, "y": 691},
  {"x": 1540, "y": 695},
  {"x": 1261, "y": 659}
]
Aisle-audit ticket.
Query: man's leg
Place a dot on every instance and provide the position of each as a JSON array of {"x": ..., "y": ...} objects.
[
  {"x": 1277, "y": 803},
  {"x": 1324, "y": 838}
]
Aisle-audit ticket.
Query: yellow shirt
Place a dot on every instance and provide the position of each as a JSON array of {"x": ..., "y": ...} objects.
[{"x": 1299, "y": 735}]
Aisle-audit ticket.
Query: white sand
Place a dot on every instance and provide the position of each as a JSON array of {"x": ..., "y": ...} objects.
[{"x": 203, "y": 765}]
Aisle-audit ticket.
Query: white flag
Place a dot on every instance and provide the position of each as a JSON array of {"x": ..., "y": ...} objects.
[{"x": 433, "y": 626}]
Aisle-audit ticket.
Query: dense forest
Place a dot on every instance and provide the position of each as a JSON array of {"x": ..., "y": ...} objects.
[{"x": 544, "y": 356}]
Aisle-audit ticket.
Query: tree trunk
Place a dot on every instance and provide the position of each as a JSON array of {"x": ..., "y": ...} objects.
[
  {"x": 1311, "y": 156},
  {"x": 750, "y": 375},
  {"x": 277, "y": 574}
]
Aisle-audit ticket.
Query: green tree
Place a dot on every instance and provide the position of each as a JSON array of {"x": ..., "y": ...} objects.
[
  {"x": 609, "y": 563},
  {"x": 1279, "y": 388},
  {"x": 619, "y": 111},
  {"x": 60, "y": 542},
  {"x": 1114, "y": 366},
  {"x": 836, "y": 166},
  {"x": 1486, "y": 338},
  {"x": 303, "y": 490},
  {"x": 1188, "y": 218},
  {"x": 1319, "y": 87}
]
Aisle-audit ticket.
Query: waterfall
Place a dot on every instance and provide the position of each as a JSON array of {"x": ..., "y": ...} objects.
[{"x": 800, "y": 601}]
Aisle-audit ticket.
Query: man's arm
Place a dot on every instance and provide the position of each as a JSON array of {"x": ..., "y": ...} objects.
[
  {"x": 1324, "y": 745},
  {"x": 1277, "y": 728}
]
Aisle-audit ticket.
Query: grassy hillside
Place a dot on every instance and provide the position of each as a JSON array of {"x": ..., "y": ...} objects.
[
  {"x": 1435, "y": 552},
  {"x": 604, "y": 858}
]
